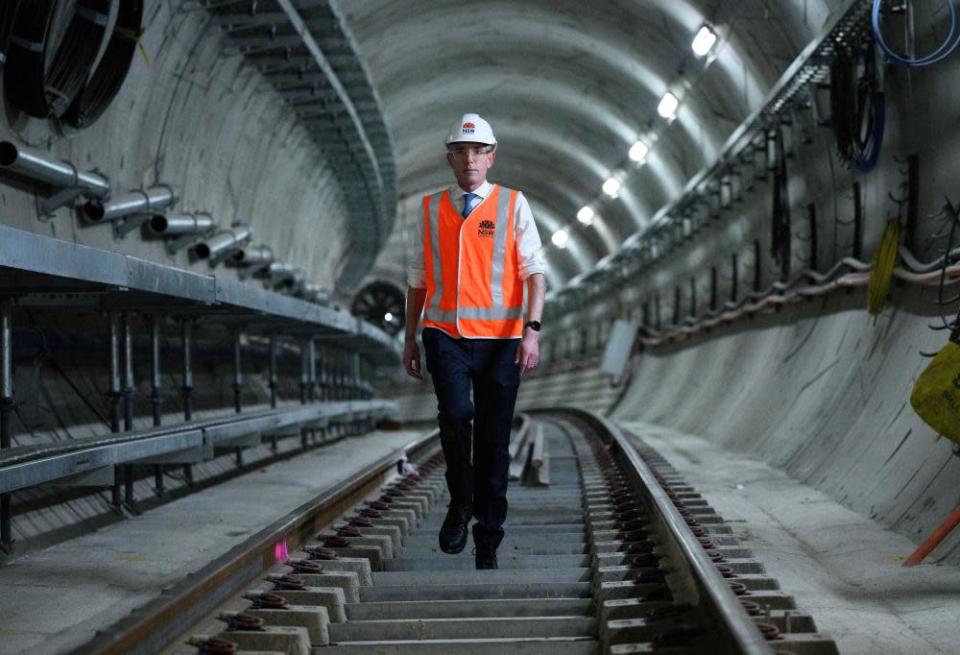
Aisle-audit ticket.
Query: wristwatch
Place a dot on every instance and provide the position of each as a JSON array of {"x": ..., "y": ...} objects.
[{"x": 533, "y": 325}]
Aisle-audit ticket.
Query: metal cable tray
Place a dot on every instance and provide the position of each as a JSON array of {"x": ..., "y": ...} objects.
[{"x": 28, "y": 466}]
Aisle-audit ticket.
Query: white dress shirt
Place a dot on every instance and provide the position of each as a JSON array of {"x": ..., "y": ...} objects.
[{"x": 524, "y": 229}]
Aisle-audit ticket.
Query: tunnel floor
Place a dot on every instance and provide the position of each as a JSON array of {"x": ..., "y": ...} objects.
[
  {"x": 91, "y": 582},
  {"x": 842, "y": 567}
]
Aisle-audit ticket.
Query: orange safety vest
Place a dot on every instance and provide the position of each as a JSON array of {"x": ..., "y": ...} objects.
[{"x": 473, "y": 275}]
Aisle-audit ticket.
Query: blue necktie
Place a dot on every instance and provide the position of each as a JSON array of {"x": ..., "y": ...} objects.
[{"x": 468, "y": 199}]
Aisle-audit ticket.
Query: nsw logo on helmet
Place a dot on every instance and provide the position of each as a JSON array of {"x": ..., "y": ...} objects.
[{"x": 468, "y": 128}]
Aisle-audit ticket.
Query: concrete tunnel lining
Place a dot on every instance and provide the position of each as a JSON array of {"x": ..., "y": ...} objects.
[{"x": 818, "y": 391}]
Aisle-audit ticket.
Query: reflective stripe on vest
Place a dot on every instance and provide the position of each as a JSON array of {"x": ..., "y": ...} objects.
[{"x": 502, "y": 318}]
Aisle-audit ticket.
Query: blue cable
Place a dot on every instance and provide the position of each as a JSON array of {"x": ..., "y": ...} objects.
[{"x": 945, "y": 50}]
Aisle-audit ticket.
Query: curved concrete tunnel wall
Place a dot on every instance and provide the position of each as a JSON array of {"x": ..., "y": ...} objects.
[
  {"x": 211, "y": 125},
  {"x": 822, "y": 393}
]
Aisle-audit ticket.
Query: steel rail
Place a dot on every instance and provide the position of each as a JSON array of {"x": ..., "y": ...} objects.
[
  {"x": 710, "y": 592},
  {"x": 160, "y": 622}
]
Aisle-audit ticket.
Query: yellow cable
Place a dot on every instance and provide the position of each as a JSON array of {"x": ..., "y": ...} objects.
[{"x": 884, "y": 261}]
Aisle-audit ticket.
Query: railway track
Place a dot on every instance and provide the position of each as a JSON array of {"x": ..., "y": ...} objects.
[{"x": 615, "y": 555}]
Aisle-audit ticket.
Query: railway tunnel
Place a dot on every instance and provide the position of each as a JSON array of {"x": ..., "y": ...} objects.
[{"x": 742, "y": 432}]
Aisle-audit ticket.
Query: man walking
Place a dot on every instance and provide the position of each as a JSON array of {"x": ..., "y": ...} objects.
[{"x": 475, "y": 247}]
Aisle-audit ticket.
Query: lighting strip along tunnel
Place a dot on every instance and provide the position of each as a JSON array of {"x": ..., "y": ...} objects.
[{"x": 606, "y": 551}]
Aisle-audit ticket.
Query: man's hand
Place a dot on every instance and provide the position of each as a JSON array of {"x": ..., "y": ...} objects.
[
  {"x": 411, "y": 358},
  {"x": 528, "y": 354}
]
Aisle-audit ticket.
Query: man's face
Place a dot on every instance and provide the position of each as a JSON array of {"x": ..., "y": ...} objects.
[{"x": 470, "y": 162}]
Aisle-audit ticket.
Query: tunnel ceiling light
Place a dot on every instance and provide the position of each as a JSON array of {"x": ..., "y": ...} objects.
[
  {"x": 612, "y": 187},
  {"x": 585, "y": 215},
  {"x": 638, "y": 151},
  {"x": 388, "y": 317},
  {"x": 668, "y": 106},
  {"x": 704, "y": 41},
  {"x": 560, "y": 238}
]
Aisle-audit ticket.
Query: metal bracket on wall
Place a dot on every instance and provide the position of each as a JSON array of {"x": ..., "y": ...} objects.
[
  {"x": 125, "y": 226},
  {"x": 173, "y": 246},
  {"x": 247, "y": 272},
  {"x": 47, "y": 205}
]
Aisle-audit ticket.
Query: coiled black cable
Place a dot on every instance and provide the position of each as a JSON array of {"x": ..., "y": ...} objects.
[
  {"x": 781, "y": 232},
  {"x": 859, "y": 106},
  {"x": 113, "y": 68},
  {"x": 42, "y": 78},
  {"x": 8, "y": 13}
]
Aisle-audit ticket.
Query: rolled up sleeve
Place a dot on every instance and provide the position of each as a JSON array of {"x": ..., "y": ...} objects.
[
  {"x": 528, "y": 240},
  {"x": 416, "y": 269}
]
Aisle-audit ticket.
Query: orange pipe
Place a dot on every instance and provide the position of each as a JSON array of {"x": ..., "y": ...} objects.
[{"x": 934, "y": 539}]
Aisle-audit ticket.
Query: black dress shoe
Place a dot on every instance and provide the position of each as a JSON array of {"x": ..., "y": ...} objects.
[
  {"x": 485, "y": 561},
  {"x": 453, "y": 533},
  {"x": 485, "y": 547}
]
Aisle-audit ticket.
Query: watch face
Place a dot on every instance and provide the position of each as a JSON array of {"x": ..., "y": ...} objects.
[{"x": 533, "y": 325}]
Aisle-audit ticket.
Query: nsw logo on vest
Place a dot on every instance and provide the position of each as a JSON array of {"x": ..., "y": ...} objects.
[
  {"x": 469, "y": 128},
  {"x": 486, "y": 229}
]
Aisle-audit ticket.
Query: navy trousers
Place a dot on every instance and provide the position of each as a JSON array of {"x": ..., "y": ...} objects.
[{"x": 486, "y": 365}]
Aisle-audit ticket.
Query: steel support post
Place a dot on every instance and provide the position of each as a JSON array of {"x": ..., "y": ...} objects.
[
  {"x": 304, "y": 382},
  {"x": 186, "y": 338},
  {"x": 187, "y": 389},
  {"x": 6, "y": 413},
  {"x": 155, "y": 384},
  {"x": 156, "y": 381},
  {"x": 335, "y": 377},
  {"x": 355, "y": 374},
  {"x": 311, "y": 369},
  {"x": 311, "y": 433},
  {"x": 321, "y": 376},
  {"x": 127, "y": 400},
  {"x": 127, "y": 374},
  {"x": 273, "y": 373},
  {"x": 237, "y": 372},
  {"x": 115, "y": 394},
  {"x": 304, "y": 370},
  {"x": 349, "y": 376},
  {"x": 115, "y": 391}
]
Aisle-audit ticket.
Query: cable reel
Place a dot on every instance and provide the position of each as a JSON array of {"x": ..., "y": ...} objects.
[{"x": 53, "y": 64}]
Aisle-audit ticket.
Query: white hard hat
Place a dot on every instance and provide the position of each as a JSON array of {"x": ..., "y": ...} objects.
[{"x": 471, "y": 128}]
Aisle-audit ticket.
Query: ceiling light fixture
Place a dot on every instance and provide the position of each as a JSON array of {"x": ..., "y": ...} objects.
[
  {"x": 638, "y": 151},
  {"x": 612, "y": 187},
  {"x": 704, "y": 41},
  {"x": 585, "y": 215},
  {"x": 668, "y": 106},
  {"x": 560, "y": 238}
]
